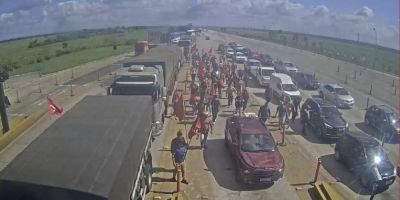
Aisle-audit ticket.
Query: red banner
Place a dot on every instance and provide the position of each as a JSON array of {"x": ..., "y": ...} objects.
[{"x": 53, "y": 109}]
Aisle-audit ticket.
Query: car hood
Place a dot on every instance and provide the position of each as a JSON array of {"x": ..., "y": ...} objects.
[
  {"x": 335, "y": 121},
  {"x": 271, "y": 159},
  {"x": 292, "y": 93},
  {"x": 346, "y": 97}
]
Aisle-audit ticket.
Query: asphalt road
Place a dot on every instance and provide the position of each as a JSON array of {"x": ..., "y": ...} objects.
[{"x": 325, "y": 70}]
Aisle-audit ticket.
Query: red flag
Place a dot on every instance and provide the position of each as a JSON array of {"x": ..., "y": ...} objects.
[
  {"x": 53, "y": 109},
  {"x": 180, "y": 108},
  {"x": 195, "y": 129}
]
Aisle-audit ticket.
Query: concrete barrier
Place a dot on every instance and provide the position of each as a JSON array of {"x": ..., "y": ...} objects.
[
  {"x": 324, "y": 191},
  {"x": 18, "y": 125}
]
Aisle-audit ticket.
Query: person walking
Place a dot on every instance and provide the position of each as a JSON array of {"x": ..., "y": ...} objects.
[
  {"x": 178, "y": 150},
  {"x": 294, "y": 112},
  {"x": 238, "y": 104},
  {"x": 206, "y": 124},
  {"x": 229, "y": 93},
  {"x": 304, "y": 117},
  {"x": 245, "y": 99},
  {"x": 215, "y": 105},
  {"x": 281, "y": 112},
  {"x": 267, "y": 93},
  {"x": 264, "y": 112}
]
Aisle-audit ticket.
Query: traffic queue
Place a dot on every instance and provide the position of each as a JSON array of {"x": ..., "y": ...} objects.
[{"x": 256, "y": 157}]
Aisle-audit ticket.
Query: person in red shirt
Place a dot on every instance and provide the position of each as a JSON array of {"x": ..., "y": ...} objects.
[{"x": 206, "y": 126}]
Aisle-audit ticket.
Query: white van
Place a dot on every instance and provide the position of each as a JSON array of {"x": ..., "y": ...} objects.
[
  {"x": 282, "y": 84},
  {"x": 263, "y": 75}
]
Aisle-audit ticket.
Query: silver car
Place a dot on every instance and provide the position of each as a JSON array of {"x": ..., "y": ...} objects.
[{"x": 336, "y": 94}]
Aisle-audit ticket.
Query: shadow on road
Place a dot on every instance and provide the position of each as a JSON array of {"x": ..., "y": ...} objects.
[
  {"x": 219, "y": 163},
  {"x": 342, "y": 174},
  {"x": 311, "y": 135},
  {"x": 375, "y": 133}
]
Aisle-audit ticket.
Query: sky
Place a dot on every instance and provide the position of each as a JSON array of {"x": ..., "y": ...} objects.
[{"x": 371, "y": 19}]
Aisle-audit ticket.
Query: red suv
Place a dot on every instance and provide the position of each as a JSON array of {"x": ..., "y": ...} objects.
[{"x": 256, "y": 157}]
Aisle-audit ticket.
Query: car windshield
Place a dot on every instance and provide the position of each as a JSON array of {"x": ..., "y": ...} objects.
[
  {"x": 266, "y": 72},
  {"x": 239, "y": 54},
  {"x": 288, "y": 64},
  {"x": 308, "y": 76},
  {"x": 341, "y": 91},
  {"x": 250, "y": 63},
  {"x": 257, "y": 142},
  {"x": 330, "y": 111},
  {"x": 289, "y": 87}
]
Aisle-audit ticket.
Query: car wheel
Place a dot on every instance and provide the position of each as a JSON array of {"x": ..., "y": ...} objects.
[
  {"x": 337, "y": 155},
  {"x": 367, "y": 184},
  {"x": 237, "y": 173},
  {"x": 321, "y": 94},
  {"x": 366, "y": 121}
]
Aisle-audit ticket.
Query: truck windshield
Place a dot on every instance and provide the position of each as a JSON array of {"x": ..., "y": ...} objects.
[
  {"x": 130, "y": 90},
  {"x": 289, "y": 87},
  {"x": 257, "y": 142}
]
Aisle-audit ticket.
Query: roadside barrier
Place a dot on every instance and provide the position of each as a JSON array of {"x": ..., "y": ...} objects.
[
  {"x": 317, "y": 171},
  {"x": 71, "y": 91},
  {"x": 178, "y": 179},
  {"x": 18, "y": 125},
  {"x": 324, "y": 191}
]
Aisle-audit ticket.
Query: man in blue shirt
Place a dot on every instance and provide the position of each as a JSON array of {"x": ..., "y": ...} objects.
[{"x": 179, "y": 150}]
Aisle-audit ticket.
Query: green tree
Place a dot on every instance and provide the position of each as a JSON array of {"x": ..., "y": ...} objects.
[{"x": 64, "y": 45}]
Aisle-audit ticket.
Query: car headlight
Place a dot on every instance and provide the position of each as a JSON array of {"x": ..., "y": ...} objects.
[
  {"x": 377, "y": 159},
  {"x": 246, "y": 171},
  {"x": 328, "y": 126}
]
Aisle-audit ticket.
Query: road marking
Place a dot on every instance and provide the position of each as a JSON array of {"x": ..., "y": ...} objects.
[
  {"x": 16, "y": 114},
  {"x": 42, "y": 102},
  {"x": 61, "y": 92}
]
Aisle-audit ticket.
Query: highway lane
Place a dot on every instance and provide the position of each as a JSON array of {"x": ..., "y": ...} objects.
[
  {"x": 310, "y": 62},
  {"x": 313, "y": 145}
]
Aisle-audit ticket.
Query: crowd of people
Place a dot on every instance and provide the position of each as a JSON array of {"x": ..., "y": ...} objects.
[{"x": 209, "y": 76}]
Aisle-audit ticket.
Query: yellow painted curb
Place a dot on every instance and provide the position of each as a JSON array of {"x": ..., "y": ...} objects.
[
  {"x": 324, "y": 191},
  {"x": 18, "y": 126}
]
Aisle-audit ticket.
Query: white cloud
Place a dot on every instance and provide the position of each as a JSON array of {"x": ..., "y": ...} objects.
[
  {"x": 320, "y": 10},
  {"x": 365, "y": 11}
]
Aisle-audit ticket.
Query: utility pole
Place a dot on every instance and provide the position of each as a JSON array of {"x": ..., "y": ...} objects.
[{"x": 3, "y": 112}]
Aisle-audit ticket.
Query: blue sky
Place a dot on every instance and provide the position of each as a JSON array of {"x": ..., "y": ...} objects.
[{"x": 335, "y": 18}]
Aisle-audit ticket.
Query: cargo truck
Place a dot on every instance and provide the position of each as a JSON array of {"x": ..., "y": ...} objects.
[
  {"x": 153, "y": 74},
  {"x": 98, "y": 150}
]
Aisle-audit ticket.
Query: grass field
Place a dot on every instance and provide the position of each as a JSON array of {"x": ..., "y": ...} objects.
[
  {"x": 371, "y": 56},
  {"x": 51, "y": 53}
]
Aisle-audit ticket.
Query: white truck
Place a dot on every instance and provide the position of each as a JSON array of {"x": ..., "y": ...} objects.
[
  {"x": 282, "y": 85},
  {"x": 263, "y": 75}
]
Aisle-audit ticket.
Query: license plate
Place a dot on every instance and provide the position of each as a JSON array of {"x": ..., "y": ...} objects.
[{"x": 265, "y": 179}]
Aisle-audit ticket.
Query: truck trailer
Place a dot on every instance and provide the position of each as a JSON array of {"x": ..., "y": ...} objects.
[{"x": 98, "y": 150}]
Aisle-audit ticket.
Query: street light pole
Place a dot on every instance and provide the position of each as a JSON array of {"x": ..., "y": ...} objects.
[{"x": 376, "y": 43}]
